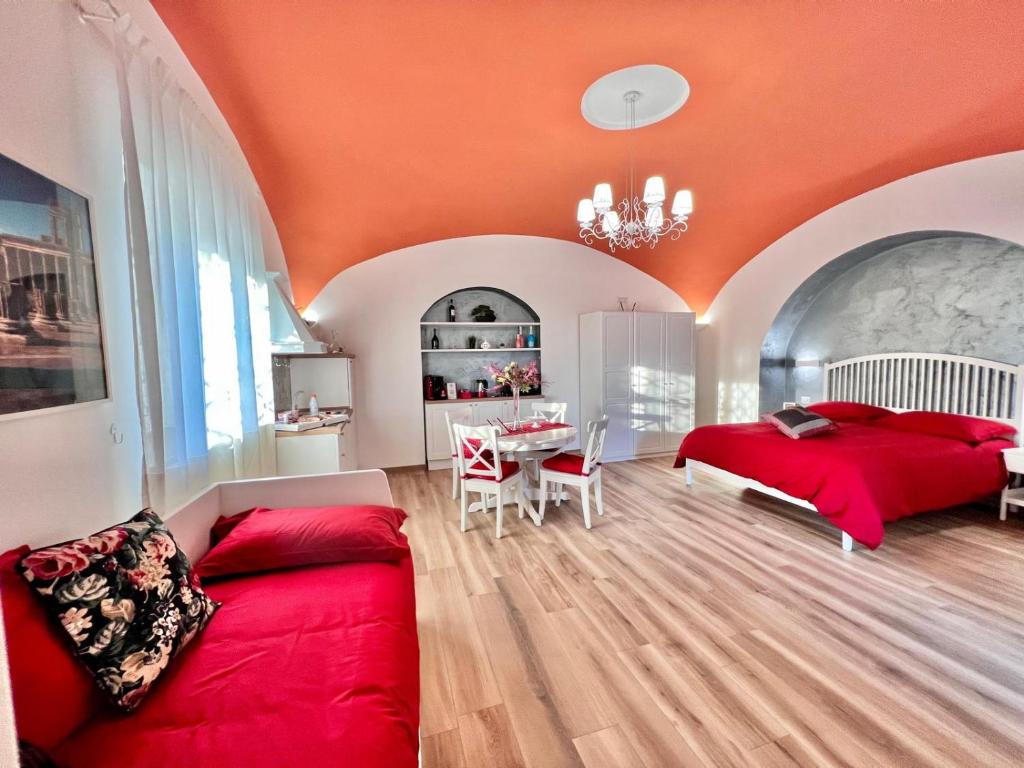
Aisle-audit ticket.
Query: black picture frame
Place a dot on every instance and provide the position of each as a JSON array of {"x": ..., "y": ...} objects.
[{"x": 51, "y": 335}]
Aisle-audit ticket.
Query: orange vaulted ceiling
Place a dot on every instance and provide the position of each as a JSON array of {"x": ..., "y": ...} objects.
[{"x": 381, "y": 124}]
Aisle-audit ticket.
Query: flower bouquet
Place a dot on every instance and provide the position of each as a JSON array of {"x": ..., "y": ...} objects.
[{"x": 519, "y": 379}]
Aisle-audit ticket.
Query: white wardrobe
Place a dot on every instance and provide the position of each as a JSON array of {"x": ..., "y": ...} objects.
[{"x": 638, "y": 368}]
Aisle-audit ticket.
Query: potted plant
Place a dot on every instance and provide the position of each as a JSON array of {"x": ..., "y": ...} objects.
[
  {"x": 483, "y": 314},
  {"x": 520, "y": 380}
]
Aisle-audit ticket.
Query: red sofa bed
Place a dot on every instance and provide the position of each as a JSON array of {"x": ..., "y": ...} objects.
[{"x": 317, "y": 665}]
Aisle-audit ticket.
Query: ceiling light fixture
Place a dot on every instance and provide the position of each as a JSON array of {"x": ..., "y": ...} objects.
[{"x": 636, "y": 220}]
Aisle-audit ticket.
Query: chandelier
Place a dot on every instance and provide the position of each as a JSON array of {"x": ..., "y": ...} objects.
[{"x": 634, "y": 221}]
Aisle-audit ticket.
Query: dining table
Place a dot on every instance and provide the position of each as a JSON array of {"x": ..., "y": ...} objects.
[{"x": 529, "y": 443}]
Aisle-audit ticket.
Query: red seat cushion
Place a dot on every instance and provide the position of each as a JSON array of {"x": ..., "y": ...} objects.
[
  {"x": 269, "y": 539},
  {"x": 53, "y": 694},
  {"x": 569, "y": 463},
  {"x": 508, "y": 468},
  {"x": 305, "y": 666}
]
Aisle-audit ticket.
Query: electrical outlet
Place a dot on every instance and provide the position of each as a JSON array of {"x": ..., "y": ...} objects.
[{"x": 805, "y": 400}]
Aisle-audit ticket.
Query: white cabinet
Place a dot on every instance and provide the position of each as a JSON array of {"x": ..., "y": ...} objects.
[
  {"x": 475, "y": 412},
  {"x": 637, "y": 368},
  {"x": 327, "y": 449}
]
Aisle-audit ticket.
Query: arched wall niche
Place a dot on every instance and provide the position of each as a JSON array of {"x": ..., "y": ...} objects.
[
  {"x": 456, "y": 361},
  {"x": 926, "y": 291}
]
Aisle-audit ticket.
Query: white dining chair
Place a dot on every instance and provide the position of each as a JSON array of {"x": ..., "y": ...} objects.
[
  {"x": 482, "y": 471},
  {"x": 579, "y": 471},
  {"x": 554, "y": 412},
  {"x": 464, "y": 415}
]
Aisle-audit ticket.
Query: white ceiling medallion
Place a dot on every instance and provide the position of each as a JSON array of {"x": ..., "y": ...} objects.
[{"x": 626, "y": 100}]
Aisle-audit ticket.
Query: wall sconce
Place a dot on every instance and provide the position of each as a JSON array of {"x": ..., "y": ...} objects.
[{"x": 808, "y": 362}]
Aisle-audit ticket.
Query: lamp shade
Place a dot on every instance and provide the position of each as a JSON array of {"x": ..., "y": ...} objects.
[
  {"x": 654, "y": 191},
  {"x": 610, "y": 221},
  {"x": 654, "y": 217},
  {"x": 603, "y": 197},
  {"x": 585, "y": 211},
  {"x": 682, "y": 203}
]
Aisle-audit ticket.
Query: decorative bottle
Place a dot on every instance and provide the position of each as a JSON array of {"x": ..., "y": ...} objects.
[
  {"x": 520, "y": 341},
  {"x": 435, "y": 343},
  {"x": 314, "y": 405},
  {"x": 531, "y": 339},
  {"x": 451, "y": 310}
]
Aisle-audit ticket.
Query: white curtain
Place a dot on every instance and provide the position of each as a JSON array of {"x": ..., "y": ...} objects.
[{"x": 200, "y": 312}]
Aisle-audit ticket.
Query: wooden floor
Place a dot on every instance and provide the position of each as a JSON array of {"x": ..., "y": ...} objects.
[{"x": 711, "y": 626}]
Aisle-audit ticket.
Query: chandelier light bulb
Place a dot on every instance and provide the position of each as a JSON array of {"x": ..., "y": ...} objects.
[
  {"x": 585, "y": 211},
  {"x": 603, "y": 197},
  {"x": 654, "y": 191},
  {"x": 682, "y": 203}
]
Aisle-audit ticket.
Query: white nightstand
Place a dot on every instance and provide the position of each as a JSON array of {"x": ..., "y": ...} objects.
[{"x": 1015, "y": 465}]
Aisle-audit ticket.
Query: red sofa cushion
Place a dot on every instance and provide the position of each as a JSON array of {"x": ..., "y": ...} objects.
[
  {"x": 301, "y": 667},
  {"x": 569, "y": 463},
  {"x": 842, "y": 410},
  {"x": 53, "y": 694},
  {"x": 967, "y": 429},
  {"x": 269, "y": 539}
]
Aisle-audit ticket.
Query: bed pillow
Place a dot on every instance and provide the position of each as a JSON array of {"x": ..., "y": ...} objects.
[
  {"x": 269, "y": 539},
  {"x": 968, "y": 429},
  {"x": 841, "y": 410},
  {"x": 800, "y": 423},
  {"x": 40, "y": 662},
  {"x": 126, "y": 597},
  {"x": 225, "y": 524}
]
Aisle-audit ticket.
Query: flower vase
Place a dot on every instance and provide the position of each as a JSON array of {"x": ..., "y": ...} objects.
[{"x": 515, "y": 407}]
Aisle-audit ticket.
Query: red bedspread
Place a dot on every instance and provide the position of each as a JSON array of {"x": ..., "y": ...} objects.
[
  {"x": 858, "y": 477},
  {"x": 308, "y": 666}
]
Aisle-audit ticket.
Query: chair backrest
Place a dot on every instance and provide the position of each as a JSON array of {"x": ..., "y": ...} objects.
[
  {"x": 554, "y": 412},
  {"x": 477, "y": 447},
  {"x": 596, "y": 431},
  {"x": 451, "y": 415}
]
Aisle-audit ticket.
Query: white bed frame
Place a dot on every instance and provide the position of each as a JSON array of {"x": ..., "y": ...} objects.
[
  {"x": 911, "y": 381},
  {"x": 191, "y": 523}
]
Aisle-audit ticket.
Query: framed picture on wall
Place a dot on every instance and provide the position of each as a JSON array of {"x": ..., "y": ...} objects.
[{"x": 51, "y": 344}]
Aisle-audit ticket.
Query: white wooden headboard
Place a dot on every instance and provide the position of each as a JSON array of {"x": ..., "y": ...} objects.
[{"x": 905, "y": 381}]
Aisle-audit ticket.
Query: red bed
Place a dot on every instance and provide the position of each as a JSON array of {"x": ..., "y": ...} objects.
[
  {"x": 859, "y": 477},
  {"x": 306, "y": 666}
]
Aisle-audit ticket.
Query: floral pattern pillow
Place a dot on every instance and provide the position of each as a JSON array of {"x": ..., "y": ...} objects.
[{"x": 128, "y": 599}]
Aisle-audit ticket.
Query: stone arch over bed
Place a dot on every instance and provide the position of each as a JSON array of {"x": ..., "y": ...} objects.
[{"x": 925, "y": 291}]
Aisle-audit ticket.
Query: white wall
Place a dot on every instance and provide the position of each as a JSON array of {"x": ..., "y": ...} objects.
[
  {"x": 984, "y": 196},
  {"x": 376, "y": 306},
  {"x": 60, "y": 472},
  {"x": 61, "y": 475}
]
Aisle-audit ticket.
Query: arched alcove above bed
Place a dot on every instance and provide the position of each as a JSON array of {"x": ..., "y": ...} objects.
[{"x": 933, "y": 291}]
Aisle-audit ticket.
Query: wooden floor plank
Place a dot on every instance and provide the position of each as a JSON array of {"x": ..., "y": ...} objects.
[
  {"x": 607, "y": 748},
  {"x": 709, "y": 626},
  {"x": 442, "y": 750},
  {"x": 487, "y": 739}
]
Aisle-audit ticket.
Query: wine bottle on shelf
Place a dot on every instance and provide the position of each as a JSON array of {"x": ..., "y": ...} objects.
[
  {"x": 531, "y": 339},
  {"x": 435, "y": 343},
  {"x": 451, "y": 310},
  {"x": 520, "y": 341}
]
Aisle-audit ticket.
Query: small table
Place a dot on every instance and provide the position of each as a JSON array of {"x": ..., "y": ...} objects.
[
  {"x": 1014, "y": 458},
  {"x": 518, "y": 446}
]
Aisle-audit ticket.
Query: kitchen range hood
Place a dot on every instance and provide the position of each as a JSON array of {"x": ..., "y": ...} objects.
[{"x": 289, "y": 334}]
